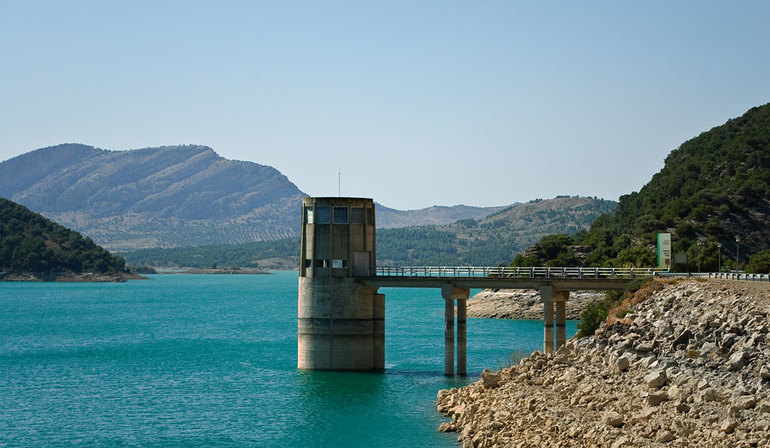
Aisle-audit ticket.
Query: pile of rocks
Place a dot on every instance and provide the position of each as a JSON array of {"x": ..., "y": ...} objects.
[
  {"x": 689, "y": 366},
  {"x": 523, "y": 304}
]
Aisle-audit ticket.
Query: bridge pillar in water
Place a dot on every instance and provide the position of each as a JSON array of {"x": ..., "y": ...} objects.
[
  {"x": 450, "y": 293},
  {"x": 553, "y": 298},
  {"x": 340, "y": 323}
]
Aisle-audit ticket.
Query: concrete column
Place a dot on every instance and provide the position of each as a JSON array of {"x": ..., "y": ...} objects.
[
  {"x": 560, "y": 298},
  {"x": 450, "y": 293},
  {"x": 461, "y": 339},
  {"x": 449, "y": 337},
  {"x": 546, "y": 293}
]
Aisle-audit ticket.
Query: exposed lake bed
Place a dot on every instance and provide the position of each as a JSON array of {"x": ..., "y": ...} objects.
[{"x": 688, "y": 366}]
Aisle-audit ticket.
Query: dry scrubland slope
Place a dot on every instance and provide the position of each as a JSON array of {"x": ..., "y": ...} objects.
[{"x": 166, "y": 196}]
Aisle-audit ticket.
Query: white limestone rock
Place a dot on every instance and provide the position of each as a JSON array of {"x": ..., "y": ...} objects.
[{"x": 656, "y": 379}]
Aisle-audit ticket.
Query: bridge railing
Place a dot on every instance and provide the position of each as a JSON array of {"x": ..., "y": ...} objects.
[{"x": 513, "y": 272}]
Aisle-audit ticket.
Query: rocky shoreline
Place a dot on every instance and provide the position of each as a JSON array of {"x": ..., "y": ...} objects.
[
  {"x": 523, "y": 304},
  {"x": 688, "y": 366},
  {"x": 68, "y": 277}
]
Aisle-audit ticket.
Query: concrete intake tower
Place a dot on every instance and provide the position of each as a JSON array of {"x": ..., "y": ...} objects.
[
  {"x": 341, "y": 315},
  {"x": 341, "y": 323}
]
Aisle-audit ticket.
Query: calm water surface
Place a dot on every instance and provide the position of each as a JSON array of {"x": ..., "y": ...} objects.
[{"x": 202, "y": 360}]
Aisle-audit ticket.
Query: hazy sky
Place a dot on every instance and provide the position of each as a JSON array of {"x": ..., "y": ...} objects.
[{"x": 416, "y": 102}]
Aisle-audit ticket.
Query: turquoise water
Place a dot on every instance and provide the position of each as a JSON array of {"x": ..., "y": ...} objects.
[{"x": 210, "y": 360}]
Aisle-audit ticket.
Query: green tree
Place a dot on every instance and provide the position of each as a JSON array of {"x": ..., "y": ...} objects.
[{"x": 759, "y": 263}]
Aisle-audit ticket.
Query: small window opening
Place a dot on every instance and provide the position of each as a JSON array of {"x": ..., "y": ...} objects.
[
  {"x": 357, "y": 215},
  {"x": 340, "y": 215},
  {"x": 323, "y": 215}
]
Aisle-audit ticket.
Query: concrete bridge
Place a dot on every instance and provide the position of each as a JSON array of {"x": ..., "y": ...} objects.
[{"x": 341, "y": 314}]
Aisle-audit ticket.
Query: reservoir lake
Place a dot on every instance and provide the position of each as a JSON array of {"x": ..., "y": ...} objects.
[{"x": 210, "y": 360}]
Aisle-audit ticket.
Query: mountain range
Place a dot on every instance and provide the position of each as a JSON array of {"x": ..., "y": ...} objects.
[
  {"x": 172, "y": 196},
  {"x": 167, "y": 196}
]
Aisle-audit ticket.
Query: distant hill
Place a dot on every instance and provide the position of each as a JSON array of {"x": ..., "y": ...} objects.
[
  {"x": 172, "y": 196},
  {"x": 33, "y": 247},
  {"x": 712, "y": 189},
  {"x": 167, "y": 196},
  {"x": 388, "y": 218},
  {"x": 489, "y": 241}
]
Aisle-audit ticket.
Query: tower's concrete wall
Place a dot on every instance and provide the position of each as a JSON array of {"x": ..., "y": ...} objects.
[{"x": 340, "y": 323}]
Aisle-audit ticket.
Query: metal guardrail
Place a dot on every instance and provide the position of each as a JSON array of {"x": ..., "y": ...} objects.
[
  {"x": 508, "y": 272},
  {"x": 740, "y": 276}
]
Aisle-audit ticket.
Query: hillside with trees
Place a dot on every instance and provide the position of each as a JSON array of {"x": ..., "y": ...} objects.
[
  {"x": 484, "y": 242},
  {"x": 492, "y": 240},
  {"x": 712, "y": 190},
  {"x": 34, "y": 247}
]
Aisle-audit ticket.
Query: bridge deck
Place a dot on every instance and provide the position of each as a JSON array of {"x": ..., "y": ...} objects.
[{"x": 568, "y": 279}]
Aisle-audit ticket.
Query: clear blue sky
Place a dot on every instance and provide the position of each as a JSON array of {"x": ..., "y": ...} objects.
[{"x": 416, "y": 102}]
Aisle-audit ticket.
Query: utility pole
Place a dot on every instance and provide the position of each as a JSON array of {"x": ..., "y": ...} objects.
[{"x": 737, "y": 251}]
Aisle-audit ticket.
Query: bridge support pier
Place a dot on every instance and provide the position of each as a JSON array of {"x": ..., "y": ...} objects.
[
  {"x": 561, "y": 319},
  {"x": 461, "y": 339},
  {"x": 449, "y": 337},
  {"x": 553, "y": 297},
  {"x": 450, "y": 293}
]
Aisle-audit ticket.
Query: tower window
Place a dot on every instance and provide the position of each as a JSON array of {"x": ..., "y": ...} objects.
[
  {"x": 323, "y": 215},
  {"x": 340, "y": 215},
  {"x": 357, "y": 215}
]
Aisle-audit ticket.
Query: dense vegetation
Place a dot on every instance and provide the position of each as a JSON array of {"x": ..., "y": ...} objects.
[
  {"x": 30, "y": 243},
  {"x": 759, "y": 262},
  {"x": 282, "y": 253},
  {"x": 712, "y": 189}
]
